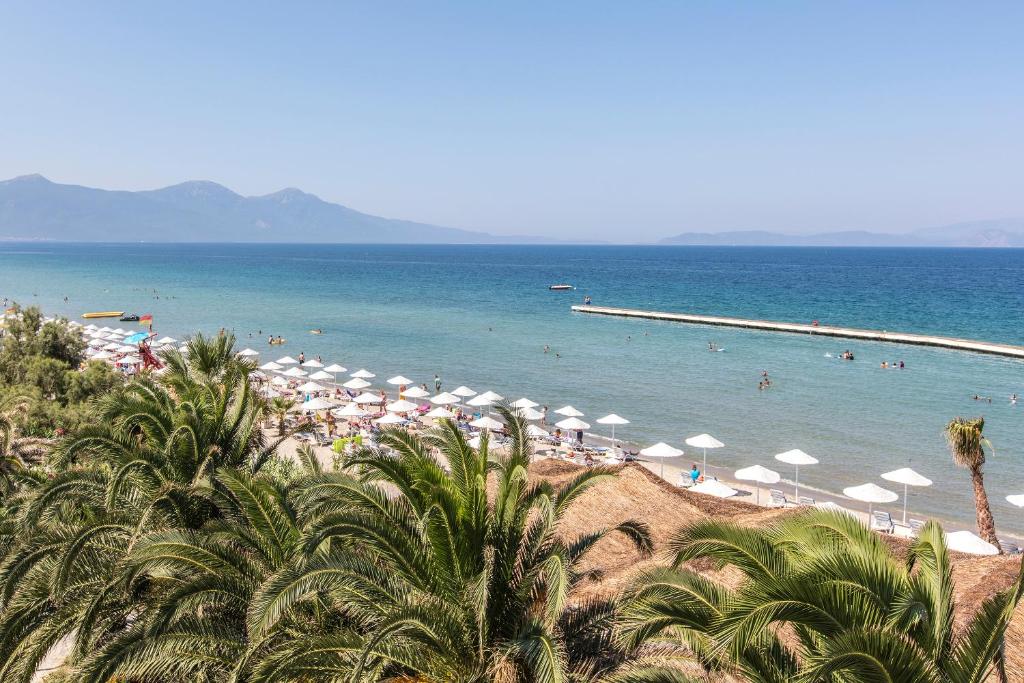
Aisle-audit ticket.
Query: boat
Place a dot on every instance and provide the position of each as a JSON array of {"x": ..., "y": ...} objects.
[
  {"x": 558, "y": 288},
  {"x": 133, "y": 318},
  {"x": 104, "y": 314}
]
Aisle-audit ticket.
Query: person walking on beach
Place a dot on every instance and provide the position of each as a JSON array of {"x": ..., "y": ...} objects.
[
  {"x": 437, "y": 384},
  {"x": 302, "y": 357}
]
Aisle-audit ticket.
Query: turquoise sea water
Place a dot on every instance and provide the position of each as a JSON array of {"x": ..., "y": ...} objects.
[{"x": 481, "y": 315}]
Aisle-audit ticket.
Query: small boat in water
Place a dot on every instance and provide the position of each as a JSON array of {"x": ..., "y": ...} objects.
[
  {"x": 130, "y": 318},
  {"x": 104, "y": 314},
  {"x": 560, "y": 287}
]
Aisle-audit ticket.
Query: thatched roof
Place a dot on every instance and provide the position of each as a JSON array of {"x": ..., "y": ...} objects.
[{"x": 638, "y": 494}]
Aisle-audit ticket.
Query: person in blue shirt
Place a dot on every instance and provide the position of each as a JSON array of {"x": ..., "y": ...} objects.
[{"x": 694, "y": 473}]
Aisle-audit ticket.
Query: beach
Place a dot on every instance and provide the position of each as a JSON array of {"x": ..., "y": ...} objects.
[{"x": 481, "y": 316}]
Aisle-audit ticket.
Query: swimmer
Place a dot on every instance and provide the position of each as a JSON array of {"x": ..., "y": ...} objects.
[{"x": 546, "y": 348}]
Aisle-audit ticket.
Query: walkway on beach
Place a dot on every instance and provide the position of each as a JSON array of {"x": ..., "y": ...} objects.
[{"x": 823, "y": 330}]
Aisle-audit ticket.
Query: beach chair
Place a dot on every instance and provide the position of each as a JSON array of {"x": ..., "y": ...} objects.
[
  {"x": 882, "y": 521},
  {"x": 804, "y": 500},
  {"x": 1008, "y": 547},
  {"x": 685, "y": 480},
  {"x": 776, "y": 498},
  {"x": 916, "y": 526}
]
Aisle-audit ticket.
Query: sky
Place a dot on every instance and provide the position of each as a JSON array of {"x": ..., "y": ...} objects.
[{"x": 579, "y": 120}]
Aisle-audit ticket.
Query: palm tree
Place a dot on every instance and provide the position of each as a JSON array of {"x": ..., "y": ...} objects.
[
  {"x": 446, "y": 580},
  {"x": 967, "y": 446},
  {"x": 851, "y": 609},
  {"x": 279, "y": 407},
  {"x": 16, "y": 451}
]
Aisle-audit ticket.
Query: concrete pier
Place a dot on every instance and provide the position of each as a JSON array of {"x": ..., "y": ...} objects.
[{"x": 822, "y": 330}]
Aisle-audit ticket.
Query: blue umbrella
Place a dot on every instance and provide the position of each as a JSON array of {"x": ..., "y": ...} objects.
[{"x": 136, "y": 338}]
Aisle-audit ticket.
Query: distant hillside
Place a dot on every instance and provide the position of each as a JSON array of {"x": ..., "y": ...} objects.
[
  {"x": 1000, "y": 233},
  {"x": 32, "y": 207}
]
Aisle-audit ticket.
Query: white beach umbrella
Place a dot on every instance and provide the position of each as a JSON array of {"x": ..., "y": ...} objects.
[
  {"x": 569, "y": 411},
  {"x": 907, "y": 477},
  {"x": 362, "y": 374},
  {"x": 287, "y": 360},
  {"x": 967, "y": 542},
  {"x": 311, "y": 386},
  {"x": 829, "y": 505},
  {"x": 573, "y": 423},
  {"x": 713, "y": 487},
  {"x": 95, "y": 343},
  {"x": 401, "y": 406},
  {"x": 295, "y": 372},
  {"x": 480, "y": 401},
  {"x": 440, "y": 413},
  {"x": 491, "y": 396},
  {"x": 870, "y": 494},
  {"x": 612, "y": 419},
  {"x": 535, "y": 432},
  {"x": 415, "y": 392},
  {"x": 90, "y": 326},
  {"x": 796, "y": 457},
  {"x": 524, "y": 403},
  {"x": 444, "y": 399},
  {"x": 271, "y": 366},
  {"x": 399, "y": 380},
  {"x": 106, "y": 329},
  {"x": 321, "y": 375},
  {"x": 368, "y": 397},
  {"x": 661, "y": 450},
  {"x": 312, "y": 363},
  {"x": 1017, "y": 500},
  {"x": 759, "y": 475},
  {"x": 474, "y": 442},
  {"x": 183, "y": 350},
  {"x": 531, "y": 414},
  {"x": 279, "y": 382},
  {"x": 463, "y": 391},
  {"x": 351, "y": 410},
  {"x": 120, "y": 331},
  {"x": 171, "y": 340},
  {"x": 335, "y": 368},
  {"x": 704, "y": 442},
  {"x": 127, "y": 348},
  {"x": 356, "y": 383},
  {"x": 314, "y": 404},
  {"x": 114, "y": 337},
  {"x": 390, "y": 419},
  {"x": 130, "y": 360},
  {"x": 244, "y": 353},
  {"x": 111, "y": 346},
  {"x": 103, "y": 355},
  {"x": 486, "y": 422}
]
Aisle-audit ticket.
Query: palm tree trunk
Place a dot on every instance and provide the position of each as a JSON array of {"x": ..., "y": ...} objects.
[{"x": 986, "y": 523}]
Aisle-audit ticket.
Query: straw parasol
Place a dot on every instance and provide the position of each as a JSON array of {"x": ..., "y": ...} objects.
[
  {"x": 870, "y": 494},
  {"x": 759, "y": 475},
  {"x": 907, "y": 477},
  {"x": 661, "y": 450},
  {"x": 796, "y": 457},
  {"x": 704, "y": 442},
  {"x": 612, "y": 419}
]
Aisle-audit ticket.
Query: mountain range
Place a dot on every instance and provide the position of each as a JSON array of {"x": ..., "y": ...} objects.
[
  {"x": 993, "y": 233},
  {"x": 34, "y": 208}
]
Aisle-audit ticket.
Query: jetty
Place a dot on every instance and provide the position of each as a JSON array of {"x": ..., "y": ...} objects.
[{"x": 993, "y": 348}]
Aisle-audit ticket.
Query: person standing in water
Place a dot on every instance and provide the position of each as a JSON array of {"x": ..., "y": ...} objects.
[{"x": 437, "y": 384}]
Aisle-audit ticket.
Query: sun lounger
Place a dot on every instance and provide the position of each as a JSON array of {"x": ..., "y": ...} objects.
[
  {"x": 685, "y": 480},
  {"x": 916, "y": 526},
  {"x": 882, "y": 521},
  {"x": 804, "y": 500},
  {"x": 1009, "y": 547},
  {"x": 776, "y": 498}
]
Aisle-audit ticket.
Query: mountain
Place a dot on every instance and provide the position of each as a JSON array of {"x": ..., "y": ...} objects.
[
  {"x": 32, "y": 207},
  {"x": 995, "y": 233}
]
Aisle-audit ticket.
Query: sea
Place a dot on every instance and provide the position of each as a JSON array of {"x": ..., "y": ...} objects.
[{"x": 483, "y": 315}]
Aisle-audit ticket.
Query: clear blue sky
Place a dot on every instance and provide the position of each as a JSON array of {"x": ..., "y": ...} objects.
[{"x": 620, "y": 121}]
